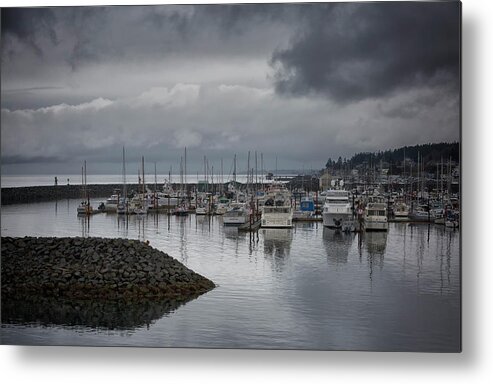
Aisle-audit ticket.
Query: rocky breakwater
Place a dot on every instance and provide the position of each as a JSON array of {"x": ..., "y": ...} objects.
[{"x": 94, "y": 268}]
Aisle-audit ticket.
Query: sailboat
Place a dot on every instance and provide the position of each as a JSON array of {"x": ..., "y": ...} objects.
[
  {"x": 140, "y": 202},
  {"x": 84, "y": 207},
  {"x": 122, "y": 207}
]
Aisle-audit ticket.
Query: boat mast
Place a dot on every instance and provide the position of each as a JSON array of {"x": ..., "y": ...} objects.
[
  {"x": 234, "y": 170},
  {"x": 155, "y": 186},
  {"x": 248, "y": 174},
  {"x": 85, "y": 183},
  {"x": 256, "y": 174},
  {"x": 143, "y": 179},
  {"x": 82, "y": 183},
  {"x": 262, "y": 169}
]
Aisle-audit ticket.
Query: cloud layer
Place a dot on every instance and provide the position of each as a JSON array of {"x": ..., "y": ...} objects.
[{"x": 301, "y": 82}]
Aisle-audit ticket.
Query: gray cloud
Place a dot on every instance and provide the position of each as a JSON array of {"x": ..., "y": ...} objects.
[
  {"x": 350, "y": 52},
  {"x": 79, "y": 83}
]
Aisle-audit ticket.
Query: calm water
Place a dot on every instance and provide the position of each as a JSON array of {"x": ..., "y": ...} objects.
[{"x": 307, "y": 288}]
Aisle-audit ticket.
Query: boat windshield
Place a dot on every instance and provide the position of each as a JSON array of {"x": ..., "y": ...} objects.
[
  {"x": 338, "y": 201},
  {"x": 373, "y": 212},
  {"x": 276, "y": 210}
]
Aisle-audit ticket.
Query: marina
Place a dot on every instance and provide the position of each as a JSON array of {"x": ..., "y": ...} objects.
[
  {"x": 303, "y": 287},
  {"x": 233, "y": 176}
]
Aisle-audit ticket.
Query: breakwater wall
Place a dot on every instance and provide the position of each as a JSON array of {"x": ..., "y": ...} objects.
[
  {"x": 94, "y": 268},
  {"x": 20, "y": 195}
]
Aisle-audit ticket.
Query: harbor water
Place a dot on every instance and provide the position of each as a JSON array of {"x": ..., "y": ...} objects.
[{"x": 302, "y": 288}]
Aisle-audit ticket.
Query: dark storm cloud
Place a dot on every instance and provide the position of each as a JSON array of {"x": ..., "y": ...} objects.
[
  {"x": 80, "y": 83},
  {"x": 27, "y": 24},
  {"x": 351, "y": 52}
]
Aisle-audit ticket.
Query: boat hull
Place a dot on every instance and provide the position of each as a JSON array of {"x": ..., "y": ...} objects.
[
  {"x": 376, "y": 226},
  {"x": 335, "y": 220}
]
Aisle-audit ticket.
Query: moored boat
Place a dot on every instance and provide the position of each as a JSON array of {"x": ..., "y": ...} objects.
[
  {"x": 376, "y": 217},
  {"x": 337, "y": 212}
]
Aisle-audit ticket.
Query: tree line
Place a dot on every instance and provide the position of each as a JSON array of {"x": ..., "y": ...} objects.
[{"x": 430, "y": 153}]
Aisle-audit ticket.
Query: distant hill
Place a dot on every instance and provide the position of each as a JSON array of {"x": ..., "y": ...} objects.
[{"x": 431, "y": 153}]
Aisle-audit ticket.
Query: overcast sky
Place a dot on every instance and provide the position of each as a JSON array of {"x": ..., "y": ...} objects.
[{"x": 303, "y": 82}]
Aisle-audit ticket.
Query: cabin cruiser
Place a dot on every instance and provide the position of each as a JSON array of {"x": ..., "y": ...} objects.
[
  {"x": 306, "y": 209},
  {"x": 277, "y": 211},
  {"x": 112, "y": 202},
  {"x": 337, "y": 212},
  {"x": 237, "y": 214},
  {"x": 422, "y": 213},
  {"x": 84, "y": 208},
  {"x": 376, "y": 216},
  {"x": 401, "y": 210},
  {"x": 222, "y": 206}
]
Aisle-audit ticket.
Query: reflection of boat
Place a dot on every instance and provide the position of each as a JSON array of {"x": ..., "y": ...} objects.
[
  {"x": 337, "y": 211},
  {"x": 376, "y": 243},
  {"x": 180, "y": 211},
  {"x": 337, "y": 244},
  {"x": 252, "y": 224},
  {"x": 277, "y": 241}
]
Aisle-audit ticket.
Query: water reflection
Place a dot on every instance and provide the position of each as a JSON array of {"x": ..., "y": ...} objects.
[
  {"x": 376, "y": 243},
  {"x": 277, "y": 245},
  {"x": 107, "y": 314},
  {"x": 288, "y": 276},
  {"x": 337, "y": 245}
]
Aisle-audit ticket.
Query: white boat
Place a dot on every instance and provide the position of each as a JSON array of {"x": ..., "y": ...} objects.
[
  {"x": 202, "y": 210},
  {"x": 376, "y": 217},
  {"x": 277, "y": 211},
  {"x": 337, "y": 213},
  {"x": 222, "y": 206},
  {"x": 237, "y": 214},
  {"x": 422, "y": 213},
  {"x": 112, "y": 202},
  {"x": 401, "y": 211},
  {"x": 84, "y": 207}
]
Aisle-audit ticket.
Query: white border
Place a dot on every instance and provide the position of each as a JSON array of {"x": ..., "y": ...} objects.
[{"x": 120, "y": 365}]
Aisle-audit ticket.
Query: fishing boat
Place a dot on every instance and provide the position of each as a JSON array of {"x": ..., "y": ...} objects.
[
  {"x": 337, "y": 212},
  {"x": 306, "y": 209}
]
